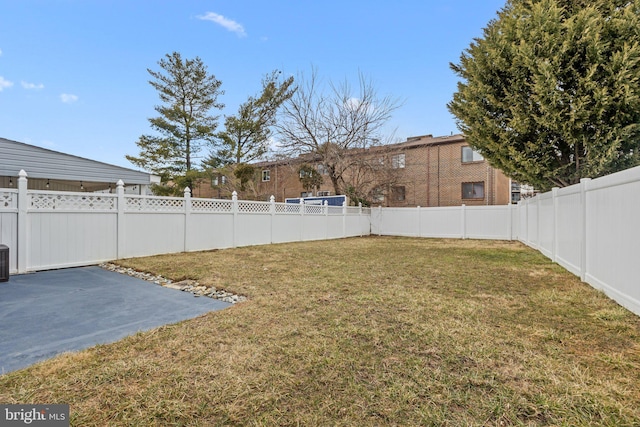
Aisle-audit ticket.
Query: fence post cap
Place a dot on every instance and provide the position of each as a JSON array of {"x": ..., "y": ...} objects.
[
  {"x": 272, "y": 199},
  {"x": 22, "y": 173},
  {"x": 187, "y": 190},
  {"x": 234, "y": 195},
  {"x": 120, "y": 183}
]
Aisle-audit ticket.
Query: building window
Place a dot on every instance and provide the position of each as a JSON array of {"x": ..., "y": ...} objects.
[
  {"x": 322, "y": 170},
  {"x": 473, "y": 190},
  {"x": 469, "y": 155},
  {"x": 397, "y": 161},
  {"x": 398, "y": 193},
  {"x": 306, "y": 194},
  {"x": 377, "y": 194},
  {"x": 266, "y": 175},
  {"x": 218, "y": 179},
  {"x": 323, "y": 193}
]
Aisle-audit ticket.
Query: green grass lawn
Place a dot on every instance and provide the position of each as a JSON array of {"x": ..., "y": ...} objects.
[{"x": 363, "y": 331}]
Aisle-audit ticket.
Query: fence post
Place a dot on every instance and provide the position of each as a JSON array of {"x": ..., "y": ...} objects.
[
  {"x": 344, "y": 219},
  {"x": 325, "y": 211},
  {"x": 301, "y": 219},
  {"x": 120, "y": 244},
  {"x": 584, "y": 188},
  {"x": 554, "y": 237},
  {"x": 380, "y": 220},
  {"x": 510, "y": 221},
  {"x": 360, "y": 218},
  {"x": 187, "y": 217},
  {"x": 234, "y": 209},
  {"x": 272, "y": 211},
  {"x": 526, "y": 222},
  {"x": 419, "y": 222},
  {"x": 23, "y": 204},
  {"x": 463, "y": 221},
  {"x": 518, "y": 233},
  {"x": 537, "y": 222}
]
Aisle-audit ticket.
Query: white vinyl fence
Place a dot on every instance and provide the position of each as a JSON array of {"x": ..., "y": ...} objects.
[
  {"x": 48, "y": 229},
  {"x": 456, "y": 222},
  {"x": 592, "y": 229}
]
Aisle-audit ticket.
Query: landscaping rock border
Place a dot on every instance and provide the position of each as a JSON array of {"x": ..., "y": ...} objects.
[{"x": 188, "y": 285}]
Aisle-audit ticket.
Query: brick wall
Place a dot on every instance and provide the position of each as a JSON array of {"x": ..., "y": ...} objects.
[
  {"x": 284, "y": 179},
  {"x": 432, "y": 174}
]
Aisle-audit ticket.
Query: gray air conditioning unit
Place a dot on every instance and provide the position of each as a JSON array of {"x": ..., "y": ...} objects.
[{"x": 4, "y": 263}]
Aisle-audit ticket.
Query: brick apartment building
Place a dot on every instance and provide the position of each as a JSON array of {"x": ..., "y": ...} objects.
[{"x": 428, "y": 171}]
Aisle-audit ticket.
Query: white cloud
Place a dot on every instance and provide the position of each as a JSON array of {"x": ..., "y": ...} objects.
[
  {"x": 4, "y": 83},
  {"x": 31, "y": 85},
  {"x": 67, "y": 98},
  {"x": 353, "y": 103},
  {"x": 228, "y": 24},
  {"x": 0, "y": 52}
]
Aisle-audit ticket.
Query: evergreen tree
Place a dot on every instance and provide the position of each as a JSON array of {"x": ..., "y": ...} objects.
[
  {"x": 246, "y": 135},
  {"x": 550, "y": 93},
  {"x": 188, "y": 93},
  {"x": 310, "y": 178}
]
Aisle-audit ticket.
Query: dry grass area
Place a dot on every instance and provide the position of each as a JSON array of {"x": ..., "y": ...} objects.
[{"x": 365, "y": 331}]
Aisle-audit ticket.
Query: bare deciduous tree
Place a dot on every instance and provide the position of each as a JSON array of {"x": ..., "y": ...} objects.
[{"x": 335, "y": 125}]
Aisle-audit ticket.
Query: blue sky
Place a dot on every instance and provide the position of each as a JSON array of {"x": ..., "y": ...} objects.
[{"x": 73, "y": 73}]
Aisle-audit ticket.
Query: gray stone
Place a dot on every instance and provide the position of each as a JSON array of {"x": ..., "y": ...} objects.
[{"x": 187, "y": 285}]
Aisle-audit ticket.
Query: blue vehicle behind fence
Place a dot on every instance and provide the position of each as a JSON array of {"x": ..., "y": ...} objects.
[{"x": 331, "y": 200}]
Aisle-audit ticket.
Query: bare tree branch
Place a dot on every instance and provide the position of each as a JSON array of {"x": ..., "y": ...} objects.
[{"x": 333, "y": 125}]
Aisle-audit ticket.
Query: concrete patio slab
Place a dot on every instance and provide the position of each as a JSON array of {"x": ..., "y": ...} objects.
[{"x": 50, "y": 312}]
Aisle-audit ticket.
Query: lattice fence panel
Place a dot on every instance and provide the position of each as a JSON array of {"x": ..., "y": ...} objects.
[
  {"x": 153, "y": 204},
  {"x": 71, "y": 202},
  {"x": 8, "y": 200},
  {"x": 254, "y": 207},
  {"x": 313, "y": 209},
  {"x": 207, "y": 205},
  {"x": 335, "y": 210},
  {"x": 287, "y": 208}
]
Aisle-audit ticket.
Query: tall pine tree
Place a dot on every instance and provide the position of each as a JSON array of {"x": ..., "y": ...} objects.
[
  {"x": 188, "y": 93},
  {"x": 246, "y": 134},
  {"x": 551, "y": 92}
]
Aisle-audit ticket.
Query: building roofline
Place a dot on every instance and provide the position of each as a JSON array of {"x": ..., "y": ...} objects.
[
  {"x": 152, "y": 177},
  {"x": 75, "y": 156},
  {"x": 411, "y": 142},
  {"x": 417, "y": 141}
]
